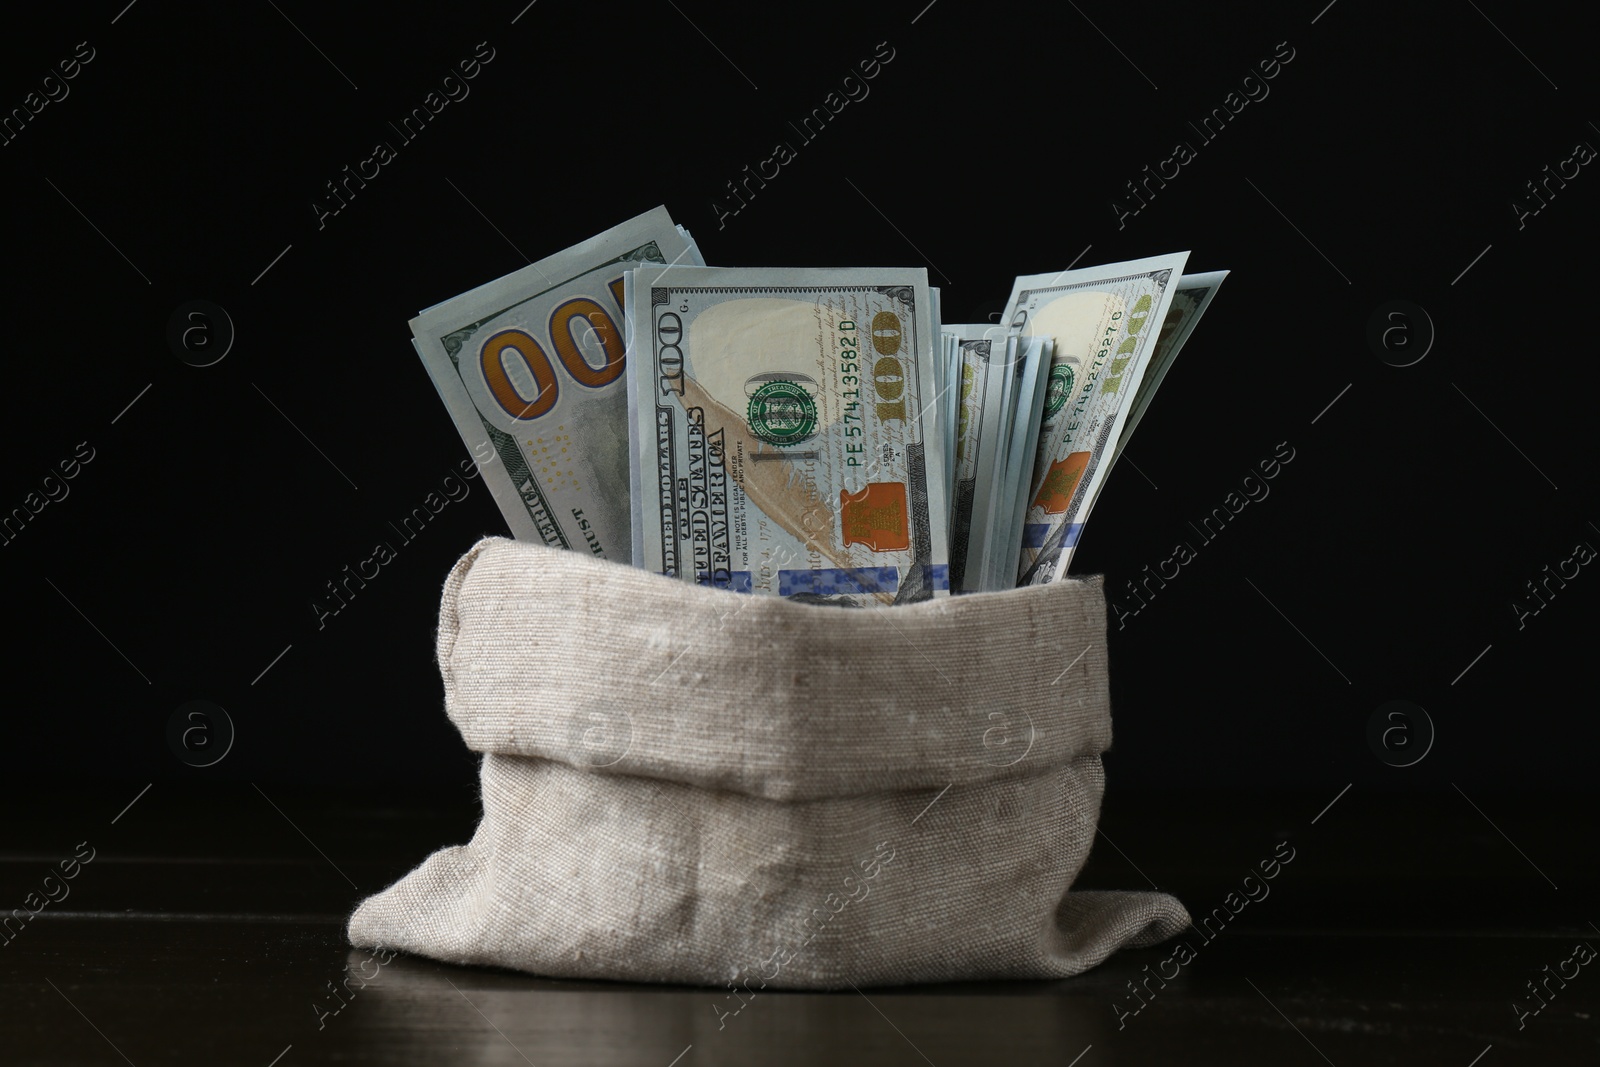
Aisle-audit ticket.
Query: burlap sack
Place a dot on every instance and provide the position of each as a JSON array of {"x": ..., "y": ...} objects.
[{"x": 685, "y": 784}]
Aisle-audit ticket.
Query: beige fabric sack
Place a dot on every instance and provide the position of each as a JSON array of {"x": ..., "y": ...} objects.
[{"x": 683, "y": 784}]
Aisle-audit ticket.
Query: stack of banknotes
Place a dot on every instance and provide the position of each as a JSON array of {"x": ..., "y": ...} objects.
[{"x": 813, "y": 433}]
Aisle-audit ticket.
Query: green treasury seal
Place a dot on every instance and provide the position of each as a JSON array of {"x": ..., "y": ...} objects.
[{"x": 782, "y": 413}]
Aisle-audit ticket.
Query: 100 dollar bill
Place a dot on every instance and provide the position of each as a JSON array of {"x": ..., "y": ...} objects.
[
  {"x": 533, "y": 365},
  {"x": 1104, "y": 322},
  {"x": 1190, "y": 299},
  {"x": 783, "y": 432},
  {"x": 977, "y": 349}
]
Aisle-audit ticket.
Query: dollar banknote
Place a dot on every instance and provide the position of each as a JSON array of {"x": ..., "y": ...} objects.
[
  {"x": 1189, "y": 301},
  {"x": 1030, "y": 360},
  {"x": 1103, "y": 322},
  {"x": 950, "y": 371},
  {"x": 972, "y": 352},
  {"x": 784, "y": 435},
  {"x": 532, "y": 370}
]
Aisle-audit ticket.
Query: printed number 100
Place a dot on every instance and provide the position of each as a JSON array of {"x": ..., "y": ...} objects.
[{"x": 528, "y": 356}]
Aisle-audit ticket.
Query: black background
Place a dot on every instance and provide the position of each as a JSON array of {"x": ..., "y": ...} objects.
[{"x": 1382, "y": 165}]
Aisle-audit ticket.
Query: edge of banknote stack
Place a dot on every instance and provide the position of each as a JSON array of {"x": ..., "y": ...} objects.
[{"x": 813, "y": 433}]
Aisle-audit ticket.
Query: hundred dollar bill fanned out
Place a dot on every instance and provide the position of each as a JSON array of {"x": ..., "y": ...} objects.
[
  {"x": 1189, "y": 301},
  {"x": 783, "y": 425},
  {"x": 1001, "y": 399},
  {"x": 976, "y": 349},
  {"x": 531, "y": 368},
  {"x": 1030, "y": 360},
  {"x": 1104, "y": 322}
]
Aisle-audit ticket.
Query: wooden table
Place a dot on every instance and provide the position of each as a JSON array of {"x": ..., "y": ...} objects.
[{"x": 207, "y": 928}]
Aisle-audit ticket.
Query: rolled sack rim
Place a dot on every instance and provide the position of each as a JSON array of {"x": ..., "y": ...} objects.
[{"x": 553, "y": 654}]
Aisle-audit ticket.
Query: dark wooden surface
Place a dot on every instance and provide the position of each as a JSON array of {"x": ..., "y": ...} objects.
[{"x": 209, "y": 924}]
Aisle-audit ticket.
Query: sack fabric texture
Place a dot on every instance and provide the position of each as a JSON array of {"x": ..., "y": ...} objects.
[{"x": 684, "y": 784}]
